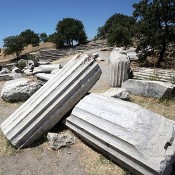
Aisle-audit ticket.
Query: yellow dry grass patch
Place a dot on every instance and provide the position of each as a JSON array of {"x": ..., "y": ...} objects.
[
  {"x": 95, "y": 163},
  {"x": 164, "y": 107}
]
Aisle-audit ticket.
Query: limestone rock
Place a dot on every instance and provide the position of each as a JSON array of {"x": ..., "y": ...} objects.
[
  {"x": 55, "y": 71},
  {"x": 57, "y": 141},
  {"x": 28, "y": 72},
  {"x": 131, "y": 52},
  {"x": 52, "y": 101},
  {"x": 118, "y": 68},
  {"x": 4, "y": 71},
  {"x": 19, "y": 89},
  {"x": 43, "y": 62},
  {"x": 46, "y": 68},
  {"x": 136, "y": 138},
  {"x": 44, "y": 77},
  {"x": 17, "y": 76},
  {"x": 117, "y": 93},
  {"x": 16, "y": 70},
  {"x": 156, "y": 89},
  {"x": 6, "y": 77},
  {"x": 30, "y": 65}
]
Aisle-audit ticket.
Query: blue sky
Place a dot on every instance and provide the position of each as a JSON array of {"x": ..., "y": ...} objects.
[{"x": 43, "y": 15}]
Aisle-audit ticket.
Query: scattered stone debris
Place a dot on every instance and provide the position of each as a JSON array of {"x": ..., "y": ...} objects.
[
  {"x": 51, "y": 102},
  {"x": 131, "y": 135},
  {"x": 19, "y": 89},
  {"x": 57, "y": 141},
  {"x": 156, "y": 89},
  {"x": 117, "y": 93},
  {"x": 119, "y": 67}
]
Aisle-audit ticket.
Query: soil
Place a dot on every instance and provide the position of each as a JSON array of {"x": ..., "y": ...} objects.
[{"x": 78, "y": 159}]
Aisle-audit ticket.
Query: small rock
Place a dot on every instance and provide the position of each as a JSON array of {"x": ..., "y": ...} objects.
[
  {"x": 57, "y": 141},
  {"x": 16, "y": 70},
  {"x": 4, "y": 71},
  {"x": 28, "y": 72},
  {"x": 117, "y": 93},
  {"x": 30, "y": 64}
]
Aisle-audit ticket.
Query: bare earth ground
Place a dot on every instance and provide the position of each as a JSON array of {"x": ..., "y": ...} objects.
[{"x": 78, "y": 159}]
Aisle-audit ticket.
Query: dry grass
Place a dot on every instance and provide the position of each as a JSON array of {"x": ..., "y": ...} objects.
[
  {"x": 95, "y": 163},
  {"x": 5, "y": 147},
  {"x": 164, "y": 107}
]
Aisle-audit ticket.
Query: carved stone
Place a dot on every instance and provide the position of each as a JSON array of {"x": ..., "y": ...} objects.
[
  {"x": 138, "y": 139},
  {"x": 52, "y": 101},
  {"x": 118, "y": 68}
]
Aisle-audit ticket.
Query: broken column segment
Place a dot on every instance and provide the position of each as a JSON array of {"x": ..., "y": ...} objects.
[
  {"x": 156, "y": 89},
  {"x": 138, "y": 139},
  {"x": 119, "y": 67},
  {"x": 46, "y": 68},
  {"x": 52, "y": 101}
]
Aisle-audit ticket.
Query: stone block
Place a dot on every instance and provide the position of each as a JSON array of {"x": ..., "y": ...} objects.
[
  {"x": 138, "y": 139},
  {"x": 156, "y": 89}
]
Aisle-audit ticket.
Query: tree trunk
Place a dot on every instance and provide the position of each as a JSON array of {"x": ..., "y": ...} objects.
[{"x": 162, "y": 52}]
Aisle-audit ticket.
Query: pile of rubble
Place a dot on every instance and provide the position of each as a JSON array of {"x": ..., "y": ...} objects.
[{"x": 136, "y": 138}]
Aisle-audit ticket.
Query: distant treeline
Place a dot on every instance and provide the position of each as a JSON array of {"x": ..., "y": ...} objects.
[{"x": 151, "y": 29}]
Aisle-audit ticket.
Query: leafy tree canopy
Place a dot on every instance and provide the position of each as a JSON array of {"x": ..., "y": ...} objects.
[
  {"x": 13, "y": 44},
  {"x": 29, "y": 37},
  {"x": 156, "y": 25},
  {"x": 118, "y": 29},
  {"x": 70, "y": 30},
  {"x": 43, "y": 37}
]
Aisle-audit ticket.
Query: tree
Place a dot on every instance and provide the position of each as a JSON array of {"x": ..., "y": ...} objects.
[
  {"x": 29, "y": 37},
  {"x": 57, "y": 39},
  {"x": 118, "y": 29},
  {"x": 43, "y": 37},
  {"x": 71, "y": 30},
  {"x": 13, "y": 44},
  {"x": 119, "y": 35},
  {"x": 156, "y": 24}
]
